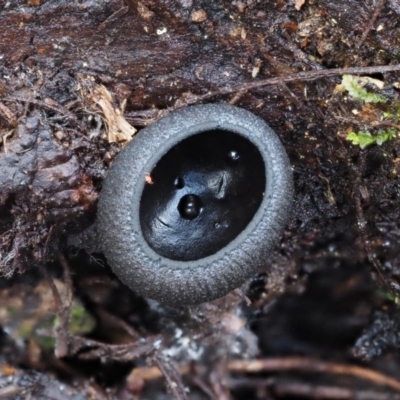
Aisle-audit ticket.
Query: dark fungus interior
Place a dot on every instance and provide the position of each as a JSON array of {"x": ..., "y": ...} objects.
[{"x": 203, "y": 192}]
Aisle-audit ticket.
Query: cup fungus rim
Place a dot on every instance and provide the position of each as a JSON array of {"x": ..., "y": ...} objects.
[{"x": 190, "y": 282}]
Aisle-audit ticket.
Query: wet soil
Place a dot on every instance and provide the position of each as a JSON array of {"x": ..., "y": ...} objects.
[{"x": 330, "y": 290}]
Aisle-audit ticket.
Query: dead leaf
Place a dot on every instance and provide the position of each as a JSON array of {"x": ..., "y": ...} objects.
[
  {"x": 298, "y": 4},
  {"x": 99, "y": 99}
]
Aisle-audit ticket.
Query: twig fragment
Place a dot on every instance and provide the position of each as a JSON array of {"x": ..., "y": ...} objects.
[
  {"x": 87, "y": 349},
  {"x": 371, "y": 22},
  {"x": 50, "y": 105},
  {"x": 322, "y": 392},
  {"x": 300, "y": 76},
  {"x": 172, "y": 377},
  {"x": 312, "y": 365}
]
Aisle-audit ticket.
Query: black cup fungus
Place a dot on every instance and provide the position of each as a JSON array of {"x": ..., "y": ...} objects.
[
  {"x": 202, "y": 195},
  {"x": 194, "y": 203}
]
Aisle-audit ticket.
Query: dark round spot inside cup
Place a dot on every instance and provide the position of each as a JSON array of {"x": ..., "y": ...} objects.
[
  {"x": 179, "y": 183},
  {"x": 180, "y": 224},
  {"x": 189, "y": 206}
]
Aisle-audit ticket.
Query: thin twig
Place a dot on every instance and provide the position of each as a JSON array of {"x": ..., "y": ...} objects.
[
  {"x": 285, "y": 387},
  {"x": 53, "y": 288},
  {"x": 322, "y": 392},
  {"x": 303, "y": 390},
  {"x": 311, "y": 365},
  {"x": 367, "y": 122},
  {"x": 57, "y": 108},
  {"x": 389, "y": 124},
  {"x": 147, "y": 117},
  {"x": 64, "y": 312},
  {"x": 371, "y": 23},
  {"x": 300, "y": 364},
  {"x": 119, "y": 322},
  {"x": 298, "y": 53},
  {"x": 172, "y": 377},
  {"x": 300, "y": 76},
  {"x": 46, "y": 245},
  {"x": 240, "y": 293},
  {"x": 203, "y": 386},
  {"x": 61, "y": 347},
  {"x": 67, "y": 277},
  {"x": 63, "y": 308},
  {"x": 217, "y": 381},
  {"x": 87, "y": 349},
  {"x": 190, "y": 99},
  {"x": 119, "y": 13}
]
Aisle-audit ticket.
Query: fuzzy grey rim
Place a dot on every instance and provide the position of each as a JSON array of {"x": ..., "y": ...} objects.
[{"x": 177, "y": 282}]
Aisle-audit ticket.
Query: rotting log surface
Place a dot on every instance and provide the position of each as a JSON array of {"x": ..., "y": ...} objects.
[
  {"x": 151, "y": 55},
  {"x": 154, "y": 55}
]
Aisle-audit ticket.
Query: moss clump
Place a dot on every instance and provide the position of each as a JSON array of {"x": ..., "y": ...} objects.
[
  {"x": 388, "y": 117},
  {"x": 365, "y": 139}
]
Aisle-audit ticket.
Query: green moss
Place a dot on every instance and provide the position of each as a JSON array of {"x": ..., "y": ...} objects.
[
  {"x": 45, "y": 342},
  {"x": 25, "y": 330},
  {"x": 385, "y": 294},
  {"x": 12, "y": 312},
  {"x": 358, "y": 93},
  {"x": 81, "y": 321},
  {"x": 388, "y": 114},
  {"x": 393, "y": 113},
  {"x": 365, "y": 139}
]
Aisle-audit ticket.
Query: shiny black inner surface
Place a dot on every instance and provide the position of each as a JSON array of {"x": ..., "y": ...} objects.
[{"x": 203, "y": 192}]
